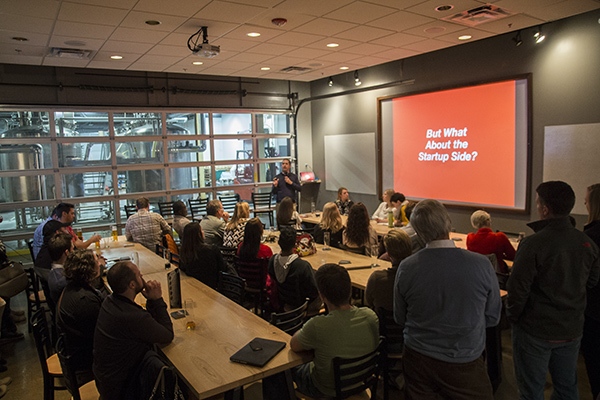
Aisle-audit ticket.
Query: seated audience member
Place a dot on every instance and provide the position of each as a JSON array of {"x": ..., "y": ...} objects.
[
  {"x": 485, "y": 241},
  {"x": 359, "y": 234},
  {"x": 331, "y": 221},
  {"x": 293, "y": 276},
  {"x": 43, "y": 262},
  {"x": 343, "y": 201},
  {"x": 180, "y": 219},
  {"x": 346, "y": 331},
  {"x": 444, "y": 298},
  {"x": 381, "y": 214},
  {"x": 213, "y": 224},
  {"x": 198, "y": 259},
  {"x": 60, "y": 246},
  {"x": 417, "y": 242},
  {"x": 287, "y": 214},
  {"x": 78, "y": 308},
  {"x": 65, "y": 213},
  {"x": 234, "y": 230},
  {"x": 38, "y": 235},
  {"x": 379, "y": 292},
  {"x": 125, "y": 331},
  {"x": 145, "y": 227},
  {"x": 399, "y": 203},
  {"x": 251, "y": 247}
]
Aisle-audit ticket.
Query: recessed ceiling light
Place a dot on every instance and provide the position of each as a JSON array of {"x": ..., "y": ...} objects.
[
  {"x": 265, "y": 68},
  {"x": 465, "y": 37},
  {"x": 344, "y": 68},
  {"x": 197, "y": 63},
  {"x": 20, "y": 39},
  {"x": 253, "y": 34},
  {"x": 332, "y": 45},
  {"x": 152, "y": 22},
  {"x": 115, "y": 57},
  {"x": 444, "y": 7}
]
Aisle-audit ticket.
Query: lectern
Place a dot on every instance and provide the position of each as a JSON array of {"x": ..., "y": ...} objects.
[{"x": 308, "y": 194}]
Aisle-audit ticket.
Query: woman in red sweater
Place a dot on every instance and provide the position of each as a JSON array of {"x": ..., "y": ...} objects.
[{"x": 486, "y": 241}]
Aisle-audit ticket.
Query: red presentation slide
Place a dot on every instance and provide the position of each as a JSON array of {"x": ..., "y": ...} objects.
[{"x": 457, "y": 145}]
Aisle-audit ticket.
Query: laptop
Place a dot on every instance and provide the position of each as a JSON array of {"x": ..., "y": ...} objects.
[
  {"x": 307, "y": 176},
  {"x": 258, "y": 352}
]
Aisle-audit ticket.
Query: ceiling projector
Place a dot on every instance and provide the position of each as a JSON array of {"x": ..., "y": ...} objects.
[{"x": 206, "y": 50}]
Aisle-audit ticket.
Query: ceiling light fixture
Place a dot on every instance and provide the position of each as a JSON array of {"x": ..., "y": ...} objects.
[
  {"x": 517, "y": 39},
  {"x": 357, "y": 81},
  {"x": 464, "y": 37},
  {"x": 332, "y": 45},
  {"x": 344, "y": 68},
  {"x": 152, "y": 22},
  {"x": 116, "y": 57},
  {"x": 197, "y": 63},
  {"x": 279, "y": 21},
  {"x": 253, "y": 34},
  {"x": 538, "y": 35},
  {"x": 19, "y": 38},
  {"x": 203, "y": 49},
  {"x": 265, "y": 68},
  {"x": 330, "y": 82}
]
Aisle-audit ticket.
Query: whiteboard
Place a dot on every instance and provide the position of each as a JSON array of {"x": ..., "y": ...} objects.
[
  {"x": 350, "y": 161},
  {"x": 571, "y": 155}
]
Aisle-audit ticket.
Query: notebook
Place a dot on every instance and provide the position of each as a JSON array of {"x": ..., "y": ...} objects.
[{"x": 258, "y": 352}]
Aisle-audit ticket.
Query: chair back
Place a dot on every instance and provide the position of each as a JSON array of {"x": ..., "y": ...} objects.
[
  {"x": 393, "y": 333},
  {"x": 130, "y": 209},
  {"x": 356, "y": 250},
  {"x": 41, "y": 335},
  {"x": 253, "y": 271},
  {"x": 232, "y": 287},
  {"x": 68, "y": 370},
  {"x": 30, "y": 245},
  {"x": 355, "y": 375},
  {"x": 170, "y": 244},
  {"x": 262, "y": 201},
  {"x": 290, "y": 321},
  {"x": 198, "y": 208},
  {"x": 165, "y": 208},
  {"x": 228, "y": 254},
  {"x": 229, "y": 202},
  {"x": 175, "y": 259},
  {"x": 501, "y": 276}
]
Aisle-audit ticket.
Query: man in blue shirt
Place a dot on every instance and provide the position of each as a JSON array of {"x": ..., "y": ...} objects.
[
  {"x": 444, "y": 297},
  {"x": 286, "y": 183}
]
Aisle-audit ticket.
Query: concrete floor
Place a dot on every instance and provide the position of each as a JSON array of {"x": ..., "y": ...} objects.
[{"x": 24, "y": 368}]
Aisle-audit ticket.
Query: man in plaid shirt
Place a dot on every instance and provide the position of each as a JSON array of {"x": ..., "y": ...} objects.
[{"x": 145, "y": 227}]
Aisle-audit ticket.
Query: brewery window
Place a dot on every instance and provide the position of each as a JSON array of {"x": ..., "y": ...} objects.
[
  {"x": 84, "y": 154},
  {"x": 69, "y": 124},
  {"x": 232, "y": 124},
  {"x": 139, "y": 152},
  {"x": 192, "y": 177},
  {"x": 189, "y": 150}
]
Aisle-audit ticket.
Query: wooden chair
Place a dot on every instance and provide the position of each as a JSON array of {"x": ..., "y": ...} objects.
[
  {"x": 35, "y": 295},
  {"x": 198, "y": 208},
  {"x": 353, "y": 376},
  {"x": 356, "y": 250},
  {"x": 232, "y": 286},
  {"x": 229, "y": 202},
  {"x": 394, "y": 343},
  {"x": 30, "y": 245},
  {"x": 501, "y": 276},
  {"x": 130, "y": 209},
  {"x": 166, "y": 209},
  {"x": 290, "y": 321},
  {"x": 254, "y": 272},
  {"x": 51, "y": 370},
  {"x": 262, "y": 203},
  {"x": 87, "y": 391}
]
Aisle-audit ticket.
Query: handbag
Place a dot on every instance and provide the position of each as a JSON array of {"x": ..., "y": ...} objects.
[
  {"x": 305, "y": 245},
  {"x": 13, "y": 279},
  {"x": 159, "y": 391}
]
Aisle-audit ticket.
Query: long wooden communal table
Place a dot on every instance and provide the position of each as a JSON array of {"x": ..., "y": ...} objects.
[{"x": 201, "y": 356}]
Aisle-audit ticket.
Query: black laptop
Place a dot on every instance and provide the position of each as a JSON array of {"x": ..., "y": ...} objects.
[{"x": 258, "y": 352}]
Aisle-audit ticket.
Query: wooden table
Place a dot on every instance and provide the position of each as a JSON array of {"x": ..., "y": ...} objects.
[{"x": 201, "y": 356}]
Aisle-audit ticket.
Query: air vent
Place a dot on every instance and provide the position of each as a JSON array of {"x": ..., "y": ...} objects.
[
  {"x": 479, "y": 15},
  {"x": 76, "y": 54},
  {"x": 295, "y": 69}
]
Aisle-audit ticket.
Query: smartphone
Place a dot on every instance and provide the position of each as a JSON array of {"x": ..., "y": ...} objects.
[
  {"x": 179, "y": 314},
  {"x": 345, "y": 262}
]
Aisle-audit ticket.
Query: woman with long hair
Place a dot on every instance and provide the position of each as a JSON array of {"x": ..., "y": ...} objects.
[
  {"x": 251, "y": 247},
  {"x": 381, "y": 214},
  {"x": 358, "y": 233},
  {"x": 198, "y": 259},
  {"x": 287, "y": 214},
  {"x": 590, "y": 342},
  {"x": 331, "y": 221},
  {"x": 234, "y": 230}
]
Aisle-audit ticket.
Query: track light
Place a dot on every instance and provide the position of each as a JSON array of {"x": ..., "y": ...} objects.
[
  {"x": 539, "y": 36},
  {"x": 330, "y": 82},
  {"x": 357, "y": 81},
  {"x": 517, "y": 39}
]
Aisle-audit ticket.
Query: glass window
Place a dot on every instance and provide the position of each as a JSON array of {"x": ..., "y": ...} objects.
[
  {"x": 27, "y": 188},
  {"x": 137, "y": 124},
  {"x": 232, "y": 124},
  {"x": 87, "y": 184},
  {"x": 192, "y": 177},
  {"x": 274, "y": 147},
  {"x": 81, "y": 123},
  {"x": 272, "y": 123},
  {"x": 188, "y": 124},
  {"x": 189, "y": 150},
  {"x": 139, "y": 152},
  {"x": 25, "y": 218},
  {"x": 24, "y": 124},
  {"x": 141, "y": 181},
  {"x": 84, "y": 154},
  {"x": 268, "y": 171},
  {"x": 234, "y": 174},
  {"x": 94, "y": 213},
  {"x": 25, "y": 156},
  {"x": 234, "y": 149}
]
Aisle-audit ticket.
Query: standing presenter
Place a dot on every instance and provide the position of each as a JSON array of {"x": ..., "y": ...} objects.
[{"x": 286, "y": 183}]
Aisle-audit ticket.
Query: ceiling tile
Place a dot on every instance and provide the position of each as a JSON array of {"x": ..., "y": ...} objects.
[
  {"x": 344, "y": 44},
  {"x": 271, "y": 49},
  {"x": 229, "y": 64},
  {"x": 427, "y": 8},
  {"x": 139, "y": 66},
  {"x": 166, "y": 50},
  {"x": 286, "y": 61},
  {"x": 137, "y": 20},
  {"x": 294, "y": 20},
  {"x": 317, "y": 8},
  {"x": 124, "y": 4},
  {"x": 26, "y": 60},
  {"x": 64, "y": 62},
  {"x": 476, "y": 34},
  {"x": 183, "y": 8},
  {"x": 92, "y": 31},
  {"x": 305, "y": 52},
  {"x": 295, "y": 39},
  {"x": 260, "y": 3},
  {"x": 397, "y": 54},
  {"x": 509, "y": 24},
  {"x": 240, "y": 33},
  {"x": 427, "y": 45},
  {"x": 32, "y": 8},
  {"x": 229, "y": 12},
  {"x": 104, "y": 56},
  {"x": 252, "y": 57},
  {"x": 400, "y": 5},
  {"x": 364, "y": 33},
  {"x": 115, "y": 46},
  {"x": 24, "y": 51},
  {"x": 26, "y": 23},
  {"x": 338, "y": 57},
  {"x": 400, "y": 21},
  {"x": 75, "y": 43},
  {"x": 398, "y": 40},
  {"x": 360, "y": 12},
  {"x": 434, "y": 29},
  {"x": 108, "y": 65},
  {"x": 325, "y": 26},
  {"x": 154, "y": 59},
  {"x": 34, "y": 39},
  {"x": 234, "y": 45},
  {"x": 137, "y": 35},
  {"x": 91, "y": 14},
  {"x": 365, "y": 49}
]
